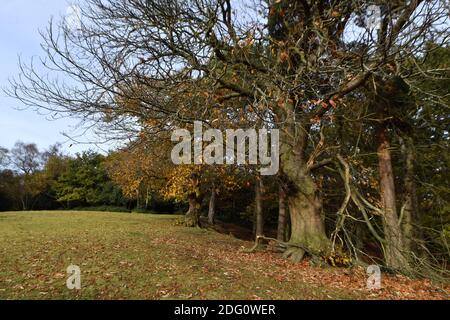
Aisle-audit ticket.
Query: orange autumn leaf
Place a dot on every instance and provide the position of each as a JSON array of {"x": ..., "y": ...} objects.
[
  {"x": 284, "y": 56},
  {"x": 316, "y": 120}
]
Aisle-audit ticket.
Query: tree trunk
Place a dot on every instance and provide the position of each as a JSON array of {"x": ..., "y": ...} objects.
[
  {"x": 212, "y": 205},
  {"x": 394, "y": 249},
  {"x": 146, "y": 198},
  {"x": 307, "y": 225},
  {"x": 137, "y": 200},
  {"x": 259, "y": 221},
  {"x": 281, "y": 232},
  {"x": 192, "y": 218},
  {"x": 303, "y": 198},
  {"x": 288, "y": 227},
  {"x": 24, "y": 206},
  {"x": 410, "y": 215}
]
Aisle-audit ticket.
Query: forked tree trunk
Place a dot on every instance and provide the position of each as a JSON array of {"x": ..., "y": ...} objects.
[
  {"x": 281, "y": 232},
  {"x": 212, "y": 206},
  {"x": 259, "y": 217},
  {"x": 395, "y": 254},
  {"x": 303, "y": 198}
]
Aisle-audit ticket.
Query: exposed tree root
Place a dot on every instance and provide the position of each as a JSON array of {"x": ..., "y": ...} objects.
[
  {"x": 296, "y": 252},
  {"x": 293, "y": 251}
]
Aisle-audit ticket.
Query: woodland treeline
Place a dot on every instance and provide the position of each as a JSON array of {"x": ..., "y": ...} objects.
[
  {"x": 31, "y": 179},
  {"x": 361, "y": 101}
]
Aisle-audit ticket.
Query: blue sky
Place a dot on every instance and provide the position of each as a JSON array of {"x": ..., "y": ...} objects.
[{"x": 20, "y": 22}]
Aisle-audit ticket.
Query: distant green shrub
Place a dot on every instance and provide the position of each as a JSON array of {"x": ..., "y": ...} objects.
[
  {"x": 102, "y": 209},
  {"x": 150, "y": 211}
]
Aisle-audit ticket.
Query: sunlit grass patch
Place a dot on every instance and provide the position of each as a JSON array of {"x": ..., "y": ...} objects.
[{"x": 141, "y": 256}]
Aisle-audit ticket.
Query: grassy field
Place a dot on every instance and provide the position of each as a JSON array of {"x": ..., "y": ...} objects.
[{"x": 137, "y": 256}]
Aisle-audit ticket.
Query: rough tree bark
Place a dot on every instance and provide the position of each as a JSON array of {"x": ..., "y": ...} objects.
[
  {"x": 303, "y": 198},
  {"x": 192, "y": 218},
  {"x": 193, "y": 214},
  {"x": 410, "y": 215},
  {"x": 395, "y": 247}
]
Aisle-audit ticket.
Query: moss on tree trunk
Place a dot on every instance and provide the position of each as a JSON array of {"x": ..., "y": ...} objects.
[{"x": 303, "y": 198}]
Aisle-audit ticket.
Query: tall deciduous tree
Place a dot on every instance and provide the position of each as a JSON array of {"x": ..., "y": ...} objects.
[{"x": 26, "y": 157}]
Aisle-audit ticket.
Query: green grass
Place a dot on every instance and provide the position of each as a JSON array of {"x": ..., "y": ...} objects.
[{"x": 141, "y": 256}]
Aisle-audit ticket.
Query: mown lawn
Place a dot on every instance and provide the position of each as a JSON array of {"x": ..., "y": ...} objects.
[{"x": 137, "y": 256}]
